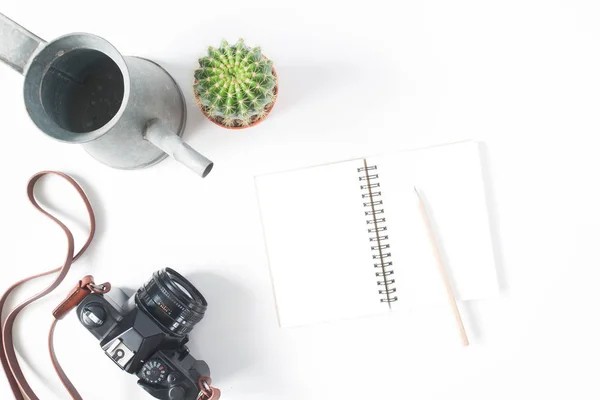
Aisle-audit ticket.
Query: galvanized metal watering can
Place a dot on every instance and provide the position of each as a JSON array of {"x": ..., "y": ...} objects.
[{"x": 127, "y": 112}]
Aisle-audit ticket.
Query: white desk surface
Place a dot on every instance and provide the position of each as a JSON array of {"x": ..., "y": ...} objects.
[{"x": 522, "y": 76}]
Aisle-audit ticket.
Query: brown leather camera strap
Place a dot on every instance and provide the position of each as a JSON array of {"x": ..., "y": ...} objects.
[
  {"x": 19, "y": 386},
  {"x": 8, "y": 356}
]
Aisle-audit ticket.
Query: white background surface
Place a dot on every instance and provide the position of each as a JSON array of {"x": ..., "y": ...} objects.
[{"x": 354, "y": 78}]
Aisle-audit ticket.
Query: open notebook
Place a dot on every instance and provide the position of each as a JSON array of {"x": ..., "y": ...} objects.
[{"x": 346, "y": 239}]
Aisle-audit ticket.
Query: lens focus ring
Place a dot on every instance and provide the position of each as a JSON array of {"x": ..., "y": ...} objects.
[{"x": 172, "y": 300}]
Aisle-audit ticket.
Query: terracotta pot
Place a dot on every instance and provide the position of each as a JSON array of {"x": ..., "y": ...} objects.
[{"x": 258, "y": 121}]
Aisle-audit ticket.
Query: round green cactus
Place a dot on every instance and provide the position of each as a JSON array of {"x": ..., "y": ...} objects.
[{"x": 235, "y": 84}]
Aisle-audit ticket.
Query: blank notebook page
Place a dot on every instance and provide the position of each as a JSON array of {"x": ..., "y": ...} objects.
[
  {"x": 320, "y": 259},
  {"x": 450, "y": 180}
]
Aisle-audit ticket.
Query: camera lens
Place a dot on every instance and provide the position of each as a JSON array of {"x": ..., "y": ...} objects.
[{"x": 172, "y": 300}]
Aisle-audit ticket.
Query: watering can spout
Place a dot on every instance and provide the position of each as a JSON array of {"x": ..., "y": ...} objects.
[
  {"x": 163, "y": 138},
  {"x": 17, "y": 44}
]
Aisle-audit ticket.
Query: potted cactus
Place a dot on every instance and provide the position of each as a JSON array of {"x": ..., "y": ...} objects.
[{"x": 235, "y": 86}]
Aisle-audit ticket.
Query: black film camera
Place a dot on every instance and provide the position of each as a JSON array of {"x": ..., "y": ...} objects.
[{"x": 146, "y": 333}]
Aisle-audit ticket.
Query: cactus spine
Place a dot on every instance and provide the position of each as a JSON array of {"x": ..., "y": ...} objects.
[{"x": 235, "y": 85}]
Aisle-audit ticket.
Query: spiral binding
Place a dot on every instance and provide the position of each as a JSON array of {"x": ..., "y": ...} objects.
[{"x": 370, "y": 185}]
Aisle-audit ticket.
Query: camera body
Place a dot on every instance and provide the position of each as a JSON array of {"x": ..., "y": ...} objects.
[{"x": 146, "y": 334}]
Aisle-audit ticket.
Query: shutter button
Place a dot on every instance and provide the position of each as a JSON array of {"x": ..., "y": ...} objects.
[
  {"x": 176, "y": 393},
  {"x": 173, "y": 378}
]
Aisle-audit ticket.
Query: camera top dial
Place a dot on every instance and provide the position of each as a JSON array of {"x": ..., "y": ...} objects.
[{"x": 154, "y": 371}]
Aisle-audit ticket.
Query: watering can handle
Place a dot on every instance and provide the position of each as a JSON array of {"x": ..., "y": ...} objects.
[
  {"x": 162, "y": 137},
  {"x": 17, "y": 44}
]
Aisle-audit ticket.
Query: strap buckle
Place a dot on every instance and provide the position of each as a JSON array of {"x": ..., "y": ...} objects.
[
  {"x": 208, "y": 392},
  {"x": 99, "y": 289}
]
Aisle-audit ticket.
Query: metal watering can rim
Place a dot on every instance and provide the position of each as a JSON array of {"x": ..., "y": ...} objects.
[{"x": 114, "y": 54}]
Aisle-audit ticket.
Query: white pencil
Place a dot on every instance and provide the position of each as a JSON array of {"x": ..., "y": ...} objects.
[{"x": 442, "y": 269}]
